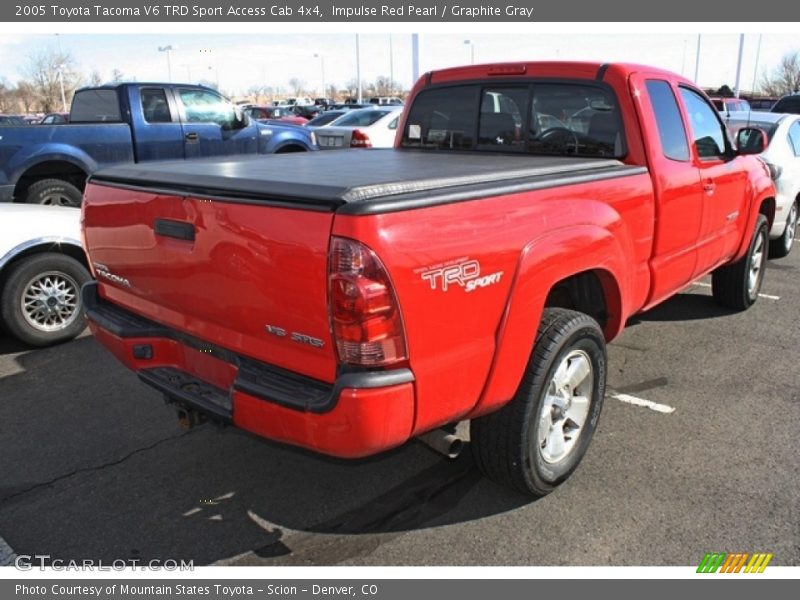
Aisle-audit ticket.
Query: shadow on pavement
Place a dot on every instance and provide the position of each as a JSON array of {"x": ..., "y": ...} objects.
[{"x": 94, "y": 466}]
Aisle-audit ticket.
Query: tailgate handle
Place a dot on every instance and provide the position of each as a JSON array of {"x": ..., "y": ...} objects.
[{"x": 175, "y": 229}]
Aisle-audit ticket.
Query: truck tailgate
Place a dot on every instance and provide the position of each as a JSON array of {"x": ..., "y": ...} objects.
[{"x": 240, "y": 276}]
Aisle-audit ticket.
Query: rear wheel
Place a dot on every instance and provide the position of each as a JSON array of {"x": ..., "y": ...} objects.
[
  {"x": 41, "y": 300},
  {"x": 783, "y": 245},
  {"x": 737, "y": 286},
  {"x": 56, "y": 192},
  {"x": 536, "y": 441}
]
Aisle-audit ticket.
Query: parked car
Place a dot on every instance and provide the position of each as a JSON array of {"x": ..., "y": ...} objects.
[
  {"x": 326, "y": 118},
  {"x": 42, "y": 269},
  {"x": 475, "y": 271},
  {"x": 348, "y": 106},
  {"x": 783, "y": 159},
  {"x": 364, "y": 128},
  {"x": 131, "y": 123},
  {"x": 788, "y": 104},
  {"x": 307, "y": 111},
  {"x": 762, "y": 104},
  {"x": 382, "y": 100},
  {"x": 54, "y": 118},
  {"x": 275, "y": 113},
  {"x": 726, "y": 105}
]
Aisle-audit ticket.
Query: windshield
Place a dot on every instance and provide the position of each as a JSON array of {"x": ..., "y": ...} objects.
[{"x": 542, "y": 118}]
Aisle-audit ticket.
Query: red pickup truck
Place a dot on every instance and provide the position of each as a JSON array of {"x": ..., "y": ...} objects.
[{"x": 347, "y": 303}]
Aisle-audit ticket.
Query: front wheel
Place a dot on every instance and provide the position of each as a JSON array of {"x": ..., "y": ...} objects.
[
  {"x": 736, "y": 286},
  {"x": 783, "y": 245},
  {"x": 536, "y": 441}
]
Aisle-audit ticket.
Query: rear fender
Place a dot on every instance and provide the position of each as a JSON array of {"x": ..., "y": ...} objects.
[
  {"x": 543, "y": 263},
  {"x": 33, "y": 156},
  {"x": 762, "y": 190}
]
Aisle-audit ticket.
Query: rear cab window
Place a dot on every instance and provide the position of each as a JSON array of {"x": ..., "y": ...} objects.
[
  {"x": 155, "y": 107},
  {"x": 671, "y": 132},
  {"x": 538, "y": 118},
  {"x": 96, "y": 106}
]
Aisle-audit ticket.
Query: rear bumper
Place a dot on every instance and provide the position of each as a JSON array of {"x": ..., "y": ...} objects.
[
  {"x": 358, "y": 415},
  {"x": 6, "y": 193}
]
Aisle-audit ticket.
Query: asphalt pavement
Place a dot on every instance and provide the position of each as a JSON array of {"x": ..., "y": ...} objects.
[{"x": 696, "y": 451}]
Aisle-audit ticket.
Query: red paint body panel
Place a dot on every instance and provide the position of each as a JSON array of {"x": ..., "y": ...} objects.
[
  {"x": 247, "y": 265},
  {"x": 645, "y": 236}
]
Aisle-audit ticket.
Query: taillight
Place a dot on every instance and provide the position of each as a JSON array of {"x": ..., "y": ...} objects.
[
  {"x": 359, "y": 139},
  {"x": 365, "y": 315}
]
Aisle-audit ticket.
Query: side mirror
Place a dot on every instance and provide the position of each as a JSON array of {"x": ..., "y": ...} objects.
[{"x": 751, "y": 140}]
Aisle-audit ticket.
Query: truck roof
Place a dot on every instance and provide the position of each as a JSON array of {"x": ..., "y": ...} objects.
[
  {"x": 118, "y": 84},
  {"x": 362, "y": 181}
]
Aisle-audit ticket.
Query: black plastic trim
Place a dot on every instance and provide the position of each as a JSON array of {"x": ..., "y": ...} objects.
[
  {"x": 601, "y": 72},
  {"x": 416, "y": 201},
  {"x": 190, "y": 391},
  {"x": 261, "y": 380},
  {"x": 180, "y": 230}
]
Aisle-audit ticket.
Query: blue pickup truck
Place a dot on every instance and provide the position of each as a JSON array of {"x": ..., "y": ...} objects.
[{"x": 131, "y": 122}]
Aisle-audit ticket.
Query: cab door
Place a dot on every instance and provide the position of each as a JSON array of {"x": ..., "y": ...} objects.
[
  {"x": 211, "y": 126},
  {"x": 676, "y": 184},
  {"x": 723, "y": 178}
]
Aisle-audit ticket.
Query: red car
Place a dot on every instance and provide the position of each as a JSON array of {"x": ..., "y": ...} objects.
[
  {"x": 277, "y": 113},
  {"x": 476, "y": 271}
]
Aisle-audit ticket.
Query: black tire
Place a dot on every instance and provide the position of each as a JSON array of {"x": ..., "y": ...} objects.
[
  {"x": 507, "y": 444},
  {"x": 783, "y": 245},
  {"x": 732, "y": 285},
  {"x": 55, "y": 192},
  {"x": 39, "y": 330}
]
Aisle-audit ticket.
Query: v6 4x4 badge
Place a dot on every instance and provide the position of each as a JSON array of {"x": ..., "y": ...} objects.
[{"x": 466, "y": 273}]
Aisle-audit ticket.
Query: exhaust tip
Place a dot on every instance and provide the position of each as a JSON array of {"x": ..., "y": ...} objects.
[{"x": 444, "y": 442}]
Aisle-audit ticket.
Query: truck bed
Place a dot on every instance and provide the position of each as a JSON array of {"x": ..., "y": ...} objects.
[{"x": 362, "y": 181}]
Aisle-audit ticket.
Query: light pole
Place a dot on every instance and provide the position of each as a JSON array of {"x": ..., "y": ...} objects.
[
  {"x": 471, "y": 51},
  {"x": 755, "y": 69},
  {"x": 391, "y": 67},
  {"x": 61, "y": 81},
  {"x": 739, "y": 64},
  {"x": 697, "y": 58},
  {"x": 322, "y": 68},
  {"x": 168, "y": 49},
  {"x": 358, "y": 68}
]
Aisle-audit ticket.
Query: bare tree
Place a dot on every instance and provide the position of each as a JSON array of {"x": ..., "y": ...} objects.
[
  {"x": 25, "y": 95},
  {"x": 95, "y": 78},
  {"x": 8, "y": 100},
  {"x": 117, "y": 75},
  {"x": 332, "y": 92},
  {"x": 45, "y": 71},
  {"x": 384, "y": 86},
  {"x": 785, "y": 78},
  {"x": 298, "y": 86}
]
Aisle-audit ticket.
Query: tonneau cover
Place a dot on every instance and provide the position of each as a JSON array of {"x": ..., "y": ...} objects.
[{"x": 352, "y": 176}]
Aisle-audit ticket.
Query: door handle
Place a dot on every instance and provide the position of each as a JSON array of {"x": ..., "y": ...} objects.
[
  {"x": 192, "y": 137},
  {"x": 709, "y": 186}
]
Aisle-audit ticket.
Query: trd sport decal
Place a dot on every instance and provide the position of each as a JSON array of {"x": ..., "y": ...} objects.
[{"x": 466, "y": 273}]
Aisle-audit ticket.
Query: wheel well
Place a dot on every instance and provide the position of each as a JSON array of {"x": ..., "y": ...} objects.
[
  {"x": 290, "y": 148},
  {"x": 57, "y": 169},
  {"x": 767, "y": 209},
  {"x": 594, "y": 293},
  {"x": 66, "y": 249}
]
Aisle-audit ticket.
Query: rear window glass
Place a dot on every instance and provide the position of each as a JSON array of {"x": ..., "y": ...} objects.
[
  {"x": 93, "y": 106},
  {"x": 674, "y": 144},
  {"x": 361, "y": 118},
  {"x": 542, "y": 118}
]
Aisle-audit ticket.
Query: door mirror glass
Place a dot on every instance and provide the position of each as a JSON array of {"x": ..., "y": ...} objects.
[{"x": 751, "y": 140}]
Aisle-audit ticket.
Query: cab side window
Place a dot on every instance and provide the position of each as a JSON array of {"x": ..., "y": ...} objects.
[
  {"x": 707, "y": 130},
  {"x": 205, "y": 107}
]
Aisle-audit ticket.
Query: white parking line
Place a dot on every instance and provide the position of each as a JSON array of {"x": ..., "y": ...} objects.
[
  {"x": 767, "y": 296},
  {"x": 662, "y": 408},
  {"x": 7, "y": 555}
]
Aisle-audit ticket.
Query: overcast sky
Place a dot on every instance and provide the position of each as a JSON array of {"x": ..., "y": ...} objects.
[{"x": 241, "y": 60}]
